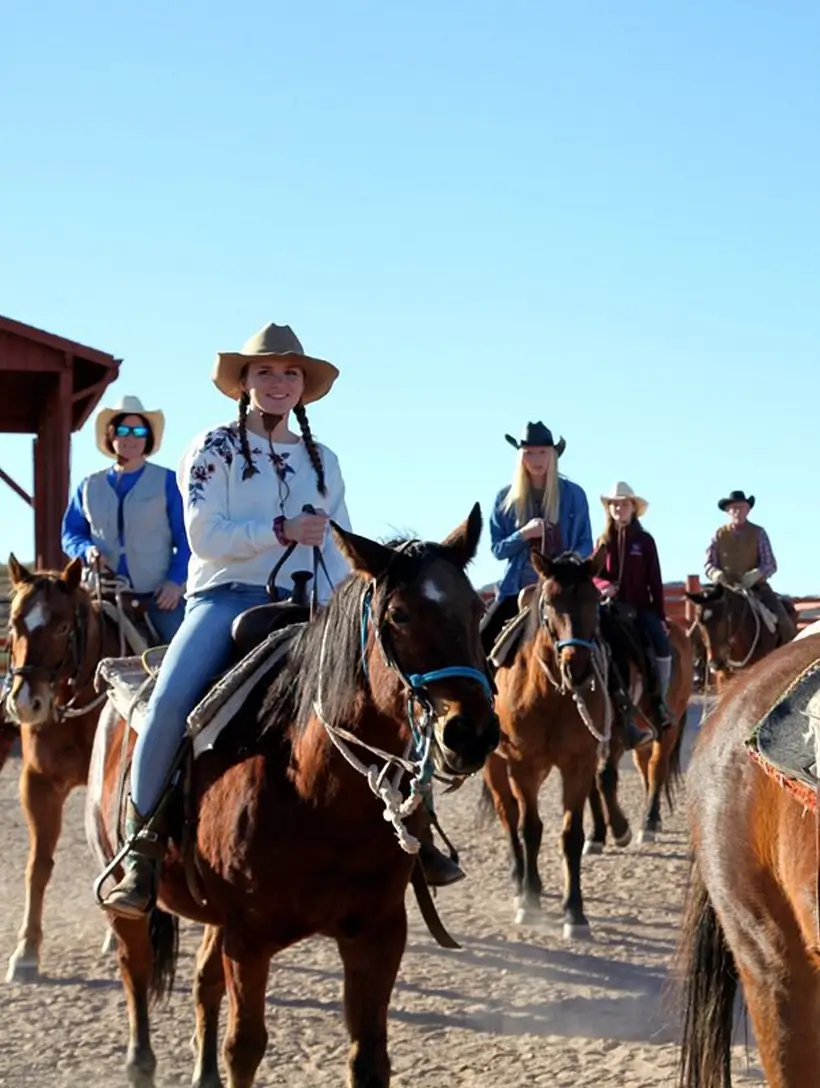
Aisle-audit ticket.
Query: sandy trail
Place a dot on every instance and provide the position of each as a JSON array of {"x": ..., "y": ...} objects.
[{"x": 518, "y": 1006}]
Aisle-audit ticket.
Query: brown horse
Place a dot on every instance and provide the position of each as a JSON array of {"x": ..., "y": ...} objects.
[
  {"x": 554, "y": 712},
  {"x": 290, "y": 839},
  {"x": 752, "y": 909},
  {"x": 57, "y": 638},
  {"x": 658, "y": 763},
  {"x": 734, "y": 634}
]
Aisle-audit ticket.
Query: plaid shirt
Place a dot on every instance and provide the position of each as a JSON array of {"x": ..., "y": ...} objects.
[{"x": 766, "y": 562}]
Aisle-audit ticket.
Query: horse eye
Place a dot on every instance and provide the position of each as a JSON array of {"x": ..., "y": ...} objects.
[
  {"x": 399, "y": 616},
  {"x": 64, "y": 628}
]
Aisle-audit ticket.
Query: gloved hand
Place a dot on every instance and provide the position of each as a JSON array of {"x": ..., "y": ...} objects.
[
  {"x": 714, "y": 574},
  {"x": 750, "y": 578}
]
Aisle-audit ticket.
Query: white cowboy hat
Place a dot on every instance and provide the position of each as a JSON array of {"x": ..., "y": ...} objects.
[
  {"x": 128, "y": 406},
  {"x": 273, "y": 342},
  {"x": 622, "y": 490}
]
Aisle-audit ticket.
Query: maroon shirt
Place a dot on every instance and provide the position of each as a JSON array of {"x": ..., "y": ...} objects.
[{"x": 639, "y": 577}]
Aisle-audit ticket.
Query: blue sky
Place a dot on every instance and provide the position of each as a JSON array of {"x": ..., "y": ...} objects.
[{"x": 600, "y": 215}]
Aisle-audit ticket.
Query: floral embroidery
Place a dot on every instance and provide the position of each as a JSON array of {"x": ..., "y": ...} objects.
[
  {"x": 223, "y": 443},
  {"x": 280, "y": 464}
]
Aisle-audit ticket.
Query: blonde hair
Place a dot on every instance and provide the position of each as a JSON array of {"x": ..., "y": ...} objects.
[{"x": 519, "y": 497}]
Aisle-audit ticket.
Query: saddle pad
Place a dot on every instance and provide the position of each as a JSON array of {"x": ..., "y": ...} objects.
[
  {"x": 223, "y": 701},
  {"x": 129, "y": 685},
  {"x": 508, "y": 639},
  {"x": 784, "y": 740}
]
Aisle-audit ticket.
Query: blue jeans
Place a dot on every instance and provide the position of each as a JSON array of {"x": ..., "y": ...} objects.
[
  {"x": 166, "y": 623},
  {"x": 198, "y": 652}
]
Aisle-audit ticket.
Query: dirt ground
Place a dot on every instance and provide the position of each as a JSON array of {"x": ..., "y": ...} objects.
[{"x": 517, "y": 1006}]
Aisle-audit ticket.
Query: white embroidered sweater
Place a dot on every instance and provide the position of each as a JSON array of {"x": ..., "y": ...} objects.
[{"x": 229, "y": 520}]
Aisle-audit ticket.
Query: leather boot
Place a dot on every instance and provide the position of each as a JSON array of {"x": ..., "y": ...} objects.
[
  {"x": 635, "y": 735},
  {"x": 136, "y": 893},
  {"x": 438, "y": 869}
]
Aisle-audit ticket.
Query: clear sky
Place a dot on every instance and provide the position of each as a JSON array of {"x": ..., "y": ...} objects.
[{"x": 603, "y": 215}]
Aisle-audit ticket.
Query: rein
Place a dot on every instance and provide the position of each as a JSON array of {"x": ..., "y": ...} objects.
[{"x": 416, "y": 761}]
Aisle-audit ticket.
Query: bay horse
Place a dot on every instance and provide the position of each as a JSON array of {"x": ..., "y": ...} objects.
[
  {"x": 752, "y": 905},
  {"x": 658, "y": 764},
  {"x": 57, "y": 637},
  {"x": 290, "y": 841},
  {"x": 554, "y": 711},
  {"x": 732, "y": 630}
]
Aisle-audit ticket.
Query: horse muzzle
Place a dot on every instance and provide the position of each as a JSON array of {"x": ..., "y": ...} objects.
[
  {"x": 576, "y": 669},
  {"x": 29, "y": 703},
  {"x": 461, "y": 746}
]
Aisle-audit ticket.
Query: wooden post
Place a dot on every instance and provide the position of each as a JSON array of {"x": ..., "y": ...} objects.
[
  {"x": 692, "y": 586},
  {"x": 52, "y": 451}
]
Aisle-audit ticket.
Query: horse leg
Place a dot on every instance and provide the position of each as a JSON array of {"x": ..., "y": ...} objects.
[
  {"x": 246, "y": 1037},
  {"x": 525, "y": 785},
  {"x": 596, "y": 844},
  {"x": 42, "y": 803},
  {"x": 209, "y": 989},
  {"x": 497, "y": 780},
  {"x": 654, "y": 768},
  {"x": 136, "y": 962},
  {"x": 615, "y": 817},
  {"x": 371, "y": 962},
  {"x": 575, "y": 790}
]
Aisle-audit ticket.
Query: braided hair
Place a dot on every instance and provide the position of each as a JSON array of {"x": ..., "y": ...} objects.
[
  {"x": 311, "y": 447},
  {"x": 250, "y": 468}
]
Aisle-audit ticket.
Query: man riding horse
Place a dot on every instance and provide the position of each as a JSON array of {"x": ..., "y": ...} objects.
[{"x": 740, "y": 555}]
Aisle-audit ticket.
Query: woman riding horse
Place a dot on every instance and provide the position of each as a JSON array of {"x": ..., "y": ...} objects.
[
  {"x": 631, "y": 579},
  {"x": 245, "y": 486},
  {"x": 539, "y": 506},
  {"x": 129, "y": 517}
]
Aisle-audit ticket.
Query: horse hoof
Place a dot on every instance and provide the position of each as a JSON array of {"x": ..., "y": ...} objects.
[
  {"x": 140, "y": 1076},
  {"x": 526, "y": 912},
  {"x": 646, "y": 837},
  {"x": 592, "y": 848},
  {"x": 22, "y": 969},
  {"x": 573, "y": 931},
  {"x": 624, "y": 840}
]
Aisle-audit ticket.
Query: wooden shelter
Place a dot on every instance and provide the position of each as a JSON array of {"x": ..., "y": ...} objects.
[{"x": 48, "y": 387}]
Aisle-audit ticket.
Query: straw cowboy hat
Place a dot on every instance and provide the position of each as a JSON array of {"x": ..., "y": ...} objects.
[
  {"x": 273, "y": 342},
  {"x": 536, "y": 434},
  {"x": 733, "y": 497},
  {"x": 622, "y": 490},
  {"x": 128, "y": 406}
]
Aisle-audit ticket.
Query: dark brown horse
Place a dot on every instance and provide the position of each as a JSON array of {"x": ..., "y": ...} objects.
[
  {"x": 658, "y": 763},
  {"x": 753, "y": 901},
  {"x": 290, "y": 839},
  {"x": 57, "y": 639},
  {"x": 732, "y": 629},
  {"x": 554, "y": 712}
]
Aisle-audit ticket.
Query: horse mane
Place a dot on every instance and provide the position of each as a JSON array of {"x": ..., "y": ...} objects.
[
  {"x": 325, "y": 658},
  {"x": 569, "y": 569}
]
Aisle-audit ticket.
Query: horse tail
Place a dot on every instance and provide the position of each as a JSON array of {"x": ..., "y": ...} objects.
[
  {"x": 710, "y": 986},
  {"x": 163, "y": 930},
  {"x": 486, "y": 807},
  {"x": 674, "y": 777}
]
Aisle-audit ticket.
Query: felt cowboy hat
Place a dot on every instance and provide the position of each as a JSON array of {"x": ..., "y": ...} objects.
[
  {"x": 536, "y": 434},
  {"x": 733, "y": 497},
  {"x": 622, "y": 490},
  {"x": 128, "y": 406},
  {"x": 273, "y": 342}
]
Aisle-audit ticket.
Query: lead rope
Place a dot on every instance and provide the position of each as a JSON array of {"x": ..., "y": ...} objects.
[{"x": 742, "y": 592}]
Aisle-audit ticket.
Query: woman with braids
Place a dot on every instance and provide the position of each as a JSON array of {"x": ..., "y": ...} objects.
[{"x": 244, "y": 486}]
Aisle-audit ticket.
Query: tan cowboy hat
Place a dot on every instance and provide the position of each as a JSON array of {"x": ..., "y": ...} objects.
[
  {"x": 273, "y": 342},
  {"x": 622, "y": 490},
  {"x": 128, "y": 406}
]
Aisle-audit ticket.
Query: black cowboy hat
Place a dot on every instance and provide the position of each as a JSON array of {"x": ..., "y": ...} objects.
[
  {"x": 733, "y": 497},
  {"x": 536, "y": 434}
]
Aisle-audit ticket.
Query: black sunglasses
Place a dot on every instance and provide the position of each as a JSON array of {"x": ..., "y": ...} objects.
[{"x": 140, "y": 431}]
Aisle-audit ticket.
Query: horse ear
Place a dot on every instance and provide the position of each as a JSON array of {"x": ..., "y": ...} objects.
[
  {"x": 540, "y": 563},
  {"x": 462, "y": 543},
  {"x": 368, "y": 558},
  {"x": 597, "y": 560},
  {"x": 72, "y": 574},
  {"x": 20, "y": 575}
]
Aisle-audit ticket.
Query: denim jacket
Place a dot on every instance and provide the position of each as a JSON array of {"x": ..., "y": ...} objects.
[{"x": 508, "y": 544}]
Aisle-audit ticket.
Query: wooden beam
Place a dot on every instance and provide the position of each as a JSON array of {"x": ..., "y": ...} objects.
[
  {"x": 51, "y": 460},
  {"x": 24, "y": 495}
]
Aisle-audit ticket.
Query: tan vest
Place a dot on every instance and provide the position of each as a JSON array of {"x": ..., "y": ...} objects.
[{"x": 738, "y": 549}]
